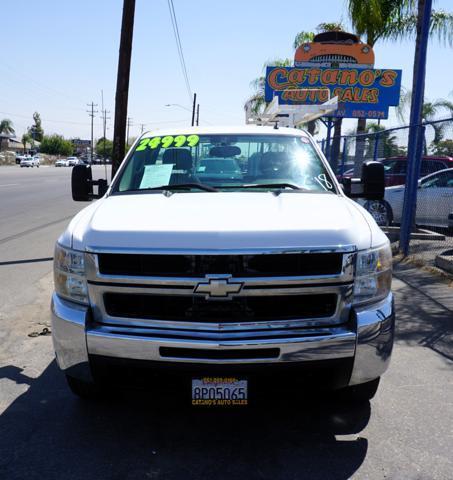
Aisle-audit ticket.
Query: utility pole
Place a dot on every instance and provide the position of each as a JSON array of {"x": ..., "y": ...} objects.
[
  {"x": 416, "y": 136},
  {"x": 129, "y": 123},
  {"x": 122, "y": 83},
  {"x": 91, "y": 114},
  {"x": 198, "y": 115},
  {"x": 142, "y": 127},
  {"x": 104, "y": 125},
  {"x": 193, "y": 108}
]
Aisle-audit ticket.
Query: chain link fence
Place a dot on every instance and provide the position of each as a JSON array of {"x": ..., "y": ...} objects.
[{"x": 431, "y": 239}]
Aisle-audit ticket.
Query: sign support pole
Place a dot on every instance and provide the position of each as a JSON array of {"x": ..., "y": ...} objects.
[
  {"x": 329, "y": 133},
  {"x": 343, "y": 156}
]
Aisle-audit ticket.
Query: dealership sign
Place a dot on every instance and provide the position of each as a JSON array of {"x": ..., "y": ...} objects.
[{"x": 362, "y": 93}]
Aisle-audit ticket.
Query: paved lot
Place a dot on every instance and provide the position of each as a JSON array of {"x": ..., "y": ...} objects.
[{"x": 406, "y": 432}]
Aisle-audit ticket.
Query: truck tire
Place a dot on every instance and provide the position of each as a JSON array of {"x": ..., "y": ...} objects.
[
  {"x": 362, "y": 392},
  {"x": 85, "y": 390}
]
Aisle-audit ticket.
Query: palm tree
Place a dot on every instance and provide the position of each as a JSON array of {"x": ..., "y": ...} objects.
[
  {"x": 26, "y": 138},
  {"x": 393, "y": 20},
  {"x": 305, "y": 37},
  {"x": 256, "y": 103},
  {"x": 302, "y": 37},
  {"x": 387, "y": 141},
  {"x": 312, "y": 126},
  {"x": 6, "y": 128},
  {"x": 430, "y": 112}
]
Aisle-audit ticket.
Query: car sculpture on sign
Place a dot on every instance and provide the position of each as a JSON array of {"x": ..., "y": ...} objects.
[{"x": 262, "y": 266}]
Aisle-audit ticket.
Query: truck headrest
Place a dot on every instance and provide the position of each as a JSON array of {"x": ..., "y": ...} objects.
[
  {"x": 224, "y": 151},
  {"x": 180, "y": 157}
]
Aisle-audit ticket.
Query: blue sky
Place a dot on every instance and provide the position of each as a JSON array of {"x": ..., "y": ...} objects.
[{"x": 59, "y": 55}]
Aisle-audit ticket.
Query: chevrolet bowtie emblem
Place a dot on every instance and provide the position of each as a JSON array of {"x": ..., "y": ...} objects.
[{"x": 218, "y": 287}]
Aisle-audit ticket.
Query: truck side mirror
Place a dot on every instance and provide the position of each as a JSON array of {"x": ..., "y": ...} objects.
[
  {"x": 82, "y": 184},
  {"x": 82, "y": 188},
  {"x": 373, "y": 180},
  {"x": 372, "y": 184}
]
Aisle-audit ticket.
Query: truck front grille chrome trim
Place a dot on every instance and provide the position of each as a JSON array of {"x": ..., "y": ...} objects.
[{"x": 242, "y": 310}]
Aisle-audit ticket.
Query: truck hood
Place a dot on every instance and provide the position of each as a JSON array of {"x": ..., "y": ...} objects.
[{"x": 219, "y": 221}]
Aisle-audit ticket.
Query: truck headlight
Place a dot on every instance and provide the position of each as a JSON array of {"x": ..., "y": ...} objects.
[
  {"x": 373, "y": 274},
  {"x": 69, "y": 274}
]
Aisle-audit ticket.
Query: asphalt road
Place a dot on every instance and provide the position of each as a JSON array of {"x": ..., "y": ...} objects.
[{"x": 406, "y": 432}]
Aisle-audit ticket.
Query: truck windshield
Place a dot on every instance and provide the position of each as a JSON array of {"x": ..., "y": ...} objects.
[{"x": 225, "y": 162}]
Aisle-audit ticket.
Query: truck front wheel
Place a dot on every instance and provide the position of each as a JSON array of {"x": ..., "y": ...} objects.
[
  {"x": 86, "y": 390},
  {"x": 362, "y": 392}
]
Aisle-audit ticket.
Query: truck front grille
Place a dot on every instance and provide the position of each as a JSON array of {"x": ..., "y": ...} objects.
[
  {"x": 299, "y": 264},
  {"x": 240, "y": 309},
  {"x": 241, "y": 295}
]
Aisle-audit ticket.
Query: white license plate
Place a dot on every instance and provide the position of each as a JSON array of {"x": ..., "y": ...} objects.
[{"x": 219, "y": 391}]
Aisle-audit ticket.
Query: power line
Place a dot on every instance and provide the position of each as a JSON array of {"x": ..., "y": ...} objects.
[
  {"x": 174, "y": 23},
  {"x": 43, "y": 119}
]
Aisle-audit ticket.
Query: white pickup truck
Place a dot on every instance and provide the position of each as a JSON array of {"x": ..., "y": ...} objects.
[{"x": 224, "y": 274}]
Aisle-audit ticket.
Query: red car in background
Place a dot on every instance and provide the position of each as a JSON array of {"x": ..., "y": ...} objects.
[{"x": 396, "y": 168}]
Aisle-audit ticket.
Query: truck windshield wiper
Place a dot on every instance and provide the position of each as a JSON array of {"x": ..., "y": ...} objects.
[
  {"x": 273, "y": 185},
  {"x": 179, "y": 186}
]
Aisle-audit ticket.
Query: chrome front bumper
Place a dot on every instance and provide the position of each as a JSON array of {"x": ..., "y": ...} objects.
[{"x": 368, "y": 339}]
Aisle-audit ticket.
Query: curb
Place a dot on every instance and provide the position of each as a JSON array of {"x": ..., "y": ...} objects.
[{"x": 445, "y": 261}]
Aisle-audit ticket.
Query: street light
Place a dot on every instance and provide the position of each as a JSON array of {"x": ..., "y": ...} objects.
[{"x": 178, "y": 105}]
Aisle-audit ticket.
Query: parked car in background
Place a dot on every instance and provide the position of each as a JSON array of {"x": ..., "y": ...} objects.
[
  {"x": 30, "y": 162},
  {"x": 19, "y": 158},
  {"x": 72, "y": 161},
  {"x": 62, "y": 162},
  {"x": 434, "y": 202},
  {"x": 396, "y": 168},
  {"x": 219, "y": 168}
]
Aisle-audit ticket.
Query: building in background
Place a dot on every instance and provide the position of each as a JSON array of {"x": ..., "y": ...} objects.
[{"x": 81, "y": 147}]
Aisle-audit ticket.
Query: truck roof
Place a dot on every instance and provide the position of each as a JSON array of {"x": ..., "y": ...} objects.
[{"x": 227, "y": 130}]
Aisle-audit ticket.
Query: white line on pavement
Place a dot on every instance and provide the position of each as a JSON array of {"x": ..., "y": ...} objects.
[{"x": 9, "y": 184}]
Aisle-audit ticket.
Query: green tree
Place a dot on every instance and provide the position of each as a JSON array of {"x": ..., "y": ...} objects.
[
  {"x": 36, "y": 130},
  {"x": 431, "y": 110},
  {"x": 256, "y": 103},
  {"x": 302, "y": 37},
  {"x": 306, "y": 37},
  {"x": 104, "y": 148},
  {"x": 393, "y": 20},
  {"x": 387, "y": 142},
  {"x": 56, "y": 145},
  {"x": 312, "y": 126},
  {"x": 26, "y": 138},
  {"x": 444, "y": 147},
  {"x": 396, "y": 20},
  {"x": 6, "y": 128}
]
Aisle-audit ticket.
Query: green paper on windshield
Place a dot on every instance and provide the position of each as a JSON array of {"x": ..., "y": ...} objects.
[{"x": 156, "y": 175}]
